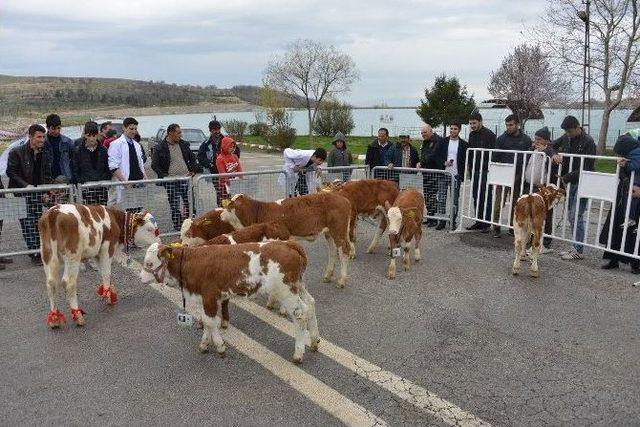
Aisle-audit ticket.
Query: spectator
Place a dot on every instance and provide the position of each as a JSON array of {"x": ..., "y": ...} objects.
[
  {"x": 3, "y": 260},
  {"x": 209, "y": 149},
  {"x": 401, "y": 155},
  {"x": 28, "y": 166},
  {"x": 91, "y": 163},
  {"x": 452, "y": 154},
  {"x": 173, "y": 158},
  {"x": 105, "y": 128},
  {"x": 110, "y": 137},
  {"x": 377, "y": 152},
  {"x": 535, "y": 176},
  {"x": 628, "y": 148},
  {"x": 298, "y": 164},
  {"x": 125, "y": 157},
  {"x": 480, "y": 137},
  {"x": 60, "y": 149},
  {"x": 340, "y": 155},
  {"x": 574, "y": 141},
  {"x": 226, "y": 162},
  {"x": 429, "y": 160},
  {"x": 512, "y": 139}
]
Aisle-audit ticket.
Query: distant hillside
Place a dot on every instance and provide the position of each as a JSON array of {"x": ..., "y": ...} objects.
[{"x": 21, "y": 94}]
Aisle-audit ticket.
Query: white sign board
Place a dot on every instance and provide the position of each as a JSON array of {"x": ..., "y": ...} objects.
[
  {"x": 597, "y": 185},
  {"x": 501, "y": 174}
]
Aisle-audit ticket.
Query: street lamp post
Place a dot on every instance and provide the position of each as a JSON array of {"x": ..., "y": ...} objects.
[{"x": 586, "y": 68}]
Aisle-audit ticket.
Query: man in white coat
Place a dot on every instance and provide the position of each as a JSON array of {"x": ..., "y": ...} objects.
[
  {"x": 125, "y": 157},
  {"x": 299, "y": 167}
]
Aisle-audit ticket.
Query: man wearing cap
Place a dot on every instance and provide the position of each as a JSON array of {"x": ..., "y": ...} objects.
[
  {"x": 574, "y": 141},
  {"x": 340, "y": 155},
  {"x": 401, "y": 155},
  {"x": 91, "y": 163}
]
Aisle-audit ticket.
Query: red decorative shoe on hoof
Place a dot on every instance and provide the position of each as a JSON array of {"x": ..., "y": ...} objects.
[
  {"x": 55, "y": 319},
  {"x": 108, "y": 293},
  {"x": 77, "y": 315}
]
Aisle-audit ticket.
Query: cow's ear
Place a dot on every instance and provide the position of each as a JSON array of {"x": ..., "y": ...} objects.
[{"x": 165, "y": 252}]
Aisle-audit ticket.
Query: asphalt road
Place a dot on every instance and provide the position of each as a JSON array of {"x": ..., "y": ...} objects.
[{"x": 562, "y": 349}]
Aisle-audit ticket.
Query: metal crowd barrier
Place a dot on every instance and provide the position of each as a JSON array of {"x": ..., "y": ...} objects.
[
  {"x": 599, "y": 210},
  {"x": 343, "y": 173},
  {"x": 20, "y": 209},
  {"x": 439, "y": 188},
  {"x": 209, "y": 190}
]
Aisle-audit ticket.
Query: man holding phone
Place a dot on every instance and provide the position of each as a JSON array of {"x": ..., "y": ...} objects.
[{"x": 452, "y": 152}]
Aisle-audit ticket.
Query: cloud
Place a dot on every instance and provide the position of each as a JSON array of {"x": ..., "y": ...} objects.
[{"x": 398, "y": 47}]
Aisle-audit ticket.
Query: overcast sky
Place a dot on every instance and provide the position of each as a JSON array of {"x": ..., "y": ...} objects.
[{"x": 398, "y": 46}]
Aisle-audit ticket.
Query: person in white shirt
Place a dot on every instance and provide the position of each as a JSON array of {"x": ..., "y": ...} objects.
[
  {"x": 298, "y": 170},
  {"x": 125, "y": 157},
  {"x": 452, "y": 151}
]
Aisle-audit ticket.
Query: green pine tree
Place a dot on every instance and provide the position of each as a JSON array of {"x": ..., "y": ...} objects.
[{"x": 445, "y": 103}]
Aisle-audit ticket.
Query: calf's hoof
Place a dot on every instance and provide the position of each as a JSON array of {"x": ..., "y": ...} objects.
[
  {"x": 341, "y": 283},
  {"x": 224, "y": 324},
  {"x": 352, "y": 256},
  {"x": 203, "y": 347},
  {"x": 297, "y": 360},
  {"x": 55, "y": 319},
  {"x": 534, "y": 273},
  {"x": 327, "y": 279},
  {"x": 77, "y": 316},
  {"x": 222, "y": 351},
  {"x": 515, "y": 271},
  {"x": 313, "y": 345},
  {"x": 371, "y": 250}
]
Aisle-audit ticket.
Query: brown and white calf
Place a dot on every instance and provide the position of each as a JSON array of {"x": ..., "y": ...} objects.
[
  {"x": 198, "y": 230},
  {"x": 253, "y": 233},
  {"x": 405, "y": 226},
  {"x": 274, "y": 267},
  {"x": 528, "y": 223},
  {"x": 368, "y": 197},
  {"x": 71, "y": 233},
  {"x": 305, "y": 217}
]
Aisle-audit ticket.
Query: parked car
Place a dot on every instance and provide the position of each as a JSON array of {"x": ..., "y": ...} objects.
[{"x": 193, "y": 136}]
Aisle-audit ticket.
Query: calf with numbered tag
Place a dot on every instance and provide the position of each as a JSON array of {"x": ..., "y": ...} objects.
[{"x": 405, "y": 226}]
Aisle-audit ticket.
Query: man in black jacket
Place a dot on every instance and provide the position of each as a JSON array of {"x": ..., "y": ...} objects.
[
  {"x": 516, "y": 140},
  {"x": 29, "y": 165},
  {"x": 574, "y": 141},
  {"x": 480, "y": 137},
  {"x": 209, "y": 149},
  {"x": 429, "y": 160},
  {"x": 173, "y": 158},
  {"x": 377, "y": 153},
  {"x": 3, "y": 260},
  {"x": 90, "y": 163},
  {"x": 451, "y": 153},
  {"x": 401, "y": 155}
]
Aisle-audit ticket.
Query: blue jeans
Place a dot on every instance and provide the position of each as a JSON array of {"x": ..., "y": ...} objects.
[{"x": 580, "y": 220}]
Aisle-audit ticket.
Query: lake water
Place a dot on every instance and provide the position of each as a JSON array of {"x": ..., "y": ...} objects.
[{"x": 368, "y": 121}]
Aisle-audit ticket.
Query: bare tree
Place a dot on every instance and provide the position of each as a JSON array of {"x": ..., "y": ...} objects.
[
  {"x": 527, "y": 80},
  {"x": 312, "y": 70},
  {"x": 615, "y": 51}
]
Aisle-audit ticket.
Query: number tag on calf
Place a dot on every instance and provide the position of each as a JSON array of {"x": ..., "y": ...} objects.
[
  {"x": 185, "y": 319},
  {"x": 396, "y": 252}
]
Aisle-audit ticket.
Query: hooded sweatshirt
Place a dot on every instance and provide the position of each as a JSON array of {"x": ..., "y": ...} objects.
[
  {"x": 339, "y": 156},
  {"x": 225, "y": 162}
]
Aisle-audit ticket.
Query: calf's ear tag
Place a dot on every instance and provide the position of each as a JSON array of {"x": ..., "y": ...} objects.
[
  {"x": 185, "y": 319},
  {"x": 396, "y": 252},
  {"x": 225, "y": 203}
]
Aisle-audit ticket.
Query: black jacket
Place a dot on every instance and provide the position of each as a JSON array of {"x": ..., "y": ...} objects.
[
  {"x": 161, "y": 158},
  {"x": 481, "y": 138},
  {"x": 443, "y": 151},
  {"x": 376, "y": 155},
  {"x": 429, "y": 152},
  {"x": 20, "y": 166},
  {"x": 83, "y": 170},
  {"x": 207, "y": 147},
  {"x": 583, "y": 144}
]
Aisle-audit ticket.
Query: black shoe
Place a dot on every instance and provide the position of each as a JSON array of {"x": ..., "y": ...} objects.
[
  {"x": 511, "y": 232},
  {"x": 635, "y": 269},
  {"x": 610, "y": 265},
  {"x": 485, "y": 228},
  {"x": 441, "y": 225},
  {"x": 496, "y": 233},
  {"x": 5, "y": 260},
  {"x": 35, "y": 258},
  {"x": 432, "y": 223},
  {"x": 475, "y": 226}
]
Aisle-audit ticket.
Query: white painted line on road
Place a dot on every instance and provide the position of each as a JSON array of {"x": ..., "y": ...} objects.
[
  {"x": 345, "y": 410},
  {"x": 401, "y": 387}
]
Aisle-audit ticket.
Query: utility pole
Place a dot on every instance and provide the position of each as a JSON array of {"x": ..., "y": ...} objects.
[{"x": 584, "y": 15}]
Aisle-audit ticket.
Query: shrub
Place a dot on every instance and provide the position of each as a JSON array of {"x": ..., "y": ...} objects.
[
  {"x": 258, "y": 129},
  {"x": 281, "y": 136},
  {"x": 235, "y": 128},
  {"x": 333, "y": 117}
]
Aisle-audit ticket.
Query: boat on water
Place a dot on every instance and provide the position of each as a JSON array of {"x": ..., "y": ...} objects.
[{"x": 493, "y": 103}]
